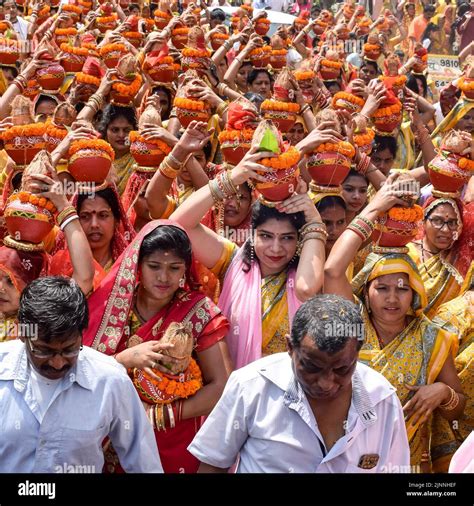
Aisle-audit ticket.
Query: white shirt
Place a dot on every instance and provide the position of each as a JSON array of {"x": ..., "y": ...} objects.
[
  {"x": 264, "y": 415},
  {"x": 43, "y": 391},
  {"x": 94, "y": 400},
  {"x": 20, "y": 26}
]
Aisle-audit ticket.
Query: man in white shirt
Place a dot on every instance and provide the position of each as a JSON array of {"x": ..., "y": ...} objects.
[
  {"x": 58, "y": 402},
  {"x": 20, "y": 25},
  {"x": 314, "y": 410}
]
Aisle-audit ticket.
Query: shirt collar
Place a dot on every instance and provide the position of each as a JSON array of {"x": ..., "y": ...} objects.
[{"x": 364, "y": 397}]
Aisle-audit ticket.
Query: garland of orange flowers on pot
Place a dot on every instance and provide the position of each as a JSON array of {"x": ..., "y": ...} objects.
[
  {"x": 349, "y": 97},
  {"x": 236, "y": 135},
  {"x": 27, "y": 197},
  {"x": 97, "y": 144},
  {"x": 105, "y": 20},
  {"x": 176, "y": 387},
  {"x": 396, "y": 81},
  {"x": 372, "y": 47},
  {"x": 162, "y": 146},
  {"x": 78, "y": 51},
  {"x": 87, "y": 79},
  {"x": 279, "y": 52},
  {"x": 466, "y": 164},
  {"x": 365, "y": 138},
  {"x": 71, "y": 8},
  {"x": 260, "y": 51},
  {"x": 180, "y": 31},
  {"x": 195, "y": 53},
  {"x": 133, "y": 35},
  {"x": 343, "y": 147},
  {"x": 304, "y": 75},
  {"x": 189, "y": 103},
  {"x": 65, "y": 32},
  {"x": 330, "y": 63},
  {"x": 31, "y": 130},
  {"x": 128, "y": 89},
  {"x": 109, "y": 48},
  {"x": 465, "y": 85},
  {"x": 162, "y": 14},
  {"x": 285, "y": 160},
  {"x": 387, "y": 111},
  {"x": 218, "y": 35},
  {"x": 277, "y": 105},
  {"x": 408, "y": 214},
  {"x": 54, "y": 131}
]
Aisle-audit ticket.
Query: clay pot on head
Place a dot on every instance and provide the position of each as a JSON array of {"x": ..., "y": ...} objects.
[
  {"x": 146, "y": 154},
  {"x": 389, "y": 233},
  {"x": 284, "y": 120},
  {"x": 232, "y": 153},
  {"x": 328, "y": 169},
  {"x": 28, "y": 222},
  {"x": 89, "y": 165},
  {"x": 185, "y": 116},
  {"x": 51, "y": 78},
  {"x": 445, "y": 174}
]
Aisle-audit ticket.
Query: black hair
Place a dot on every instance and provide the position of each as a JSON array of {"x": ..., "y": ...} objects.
[
  {"x": 44, "y": 98},
  {"x": 172, "y": 239},
  {"x": 16, "y": 180},
  {"x": 54, "y": 307},
  {"x": 354, "y": 173},
  {"x": 429, "y": 8},
  {"x": 330, "y": 321},
  {"x": 413, "y": 85},
  {"x": 217, "y": 14},
  {"x": 254, "y": 73},
  {"x": 133, "y": 6},
  {"x": 369, "y": 63},
  {"x": 330, "y": 201},
  {"x": 430, "y": 27},
  {"x": 12, "y": 68},
  {"x": 399, "y": 53},
  {"x": 107, "y": 194},
  {"x": 112, "y": 112},
  {"x": 260, "y": 215},
  {"x": 382, "y": 142}
]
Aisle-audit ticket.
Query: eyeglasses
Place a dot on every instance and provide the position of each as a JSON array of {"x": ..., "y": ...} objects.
[
  {"x": 439, "y": 223},
  {"x": 51, "y": 354}
]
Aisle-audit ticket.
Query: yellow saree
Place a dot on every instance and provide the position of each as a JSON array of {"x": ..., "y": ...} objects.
[
  {"x": 441, "y": 279},
  {"x": 275, "y": 324},
  {"x": 416, "y": 355},
  {"x": 457, "y": 316},
  {"x": 123, "y": 168}
]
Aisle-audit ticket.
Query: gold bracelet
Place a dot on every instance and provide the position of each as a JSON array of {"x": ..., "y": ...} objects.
[
  {"x": 222, "y": 108},
  {"x": 175, "y": 161},
  {"x": 453, "y": 401}
]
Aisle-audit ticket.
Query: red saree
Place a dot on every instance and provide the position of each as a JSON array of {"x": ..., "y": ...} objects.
[{"x": 109, "y": 332}]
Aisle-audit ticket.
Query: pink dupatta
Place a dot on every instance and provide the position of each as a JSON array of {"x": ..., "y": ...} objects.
[{"x": 241, "y": 303}]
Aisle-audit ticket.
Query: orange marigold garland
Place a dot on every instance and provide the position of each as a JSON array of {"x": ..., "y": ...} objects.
[
  {"x": 169, "y": 388},
  {"x": 283, "y": 161},
  {"x": 466, "y": 164},
  {"x": 189, "y": 103},
  {"x": 97, "y": 144},
  {"x": 26, "y": 197},
  {"x": 343, "y": 147},
  {"x": 407, "y": 214}
]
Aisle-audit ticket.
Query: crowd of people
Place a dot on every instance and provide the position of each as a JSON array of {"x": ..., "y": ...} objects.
[{"x": 229, "y": 246}]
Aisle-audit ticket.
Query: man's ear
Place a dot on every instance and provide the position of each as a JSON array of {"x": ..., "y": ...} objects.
[{"x": 289, "y": 346}]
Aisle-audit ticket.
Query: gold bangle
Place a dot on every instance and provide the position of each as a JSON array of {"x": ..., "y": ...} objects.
[
  {"x": 453, "y": 401},
  {"x": 222, "y": 108}
]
